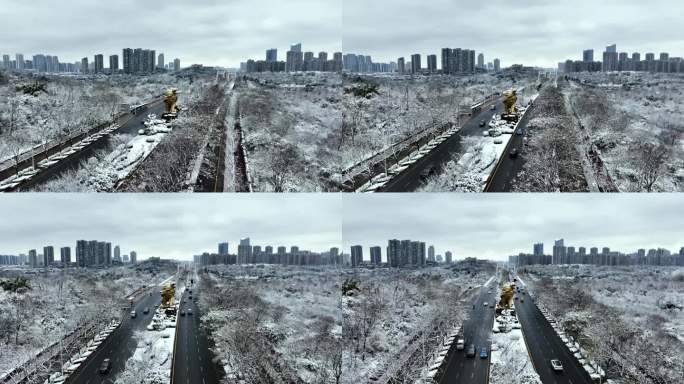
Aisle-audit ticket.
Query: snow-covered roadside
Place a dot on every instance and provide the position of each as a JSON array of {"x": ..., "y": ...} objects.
[
  {"x": 510, "y": 361},
  {"x": 29, "y": 173},
  {"x": 382, "y": 179},
  {"x": 152, "y": 359},
  {"x": 126, "y": 157}
]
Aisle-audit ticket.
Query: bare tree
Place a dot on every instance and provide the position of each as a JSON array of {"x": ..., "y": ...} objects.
[{"x": 649, "y": 162}]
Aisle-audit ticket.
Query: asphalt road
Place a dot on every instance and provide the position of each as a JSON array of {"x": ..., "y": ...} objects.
[
  {"x": 119, "y": 346},
  {"x": 543, "y": 344},
  {"x": 130, "y": 127},
  {"x": 509, "y": 167},
  {"x": 477, "y": 330},
  {"x": 193, "y": 362},
  {"x": 415, "y": 176}
]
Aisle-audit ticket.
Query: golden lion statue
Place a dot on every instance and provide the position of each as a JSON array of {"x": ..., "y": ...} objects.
[
  {"x": 168, "y": 293},
  {"x": 506, "y": 296},
  {"x": 510, "y": 98},
  {"x": 170, "y": 100}
]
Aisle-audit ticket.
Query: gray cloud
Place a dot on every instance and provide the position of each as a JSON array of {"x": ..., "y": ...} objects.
[
  {"x": 533, "y": 32},
  {"x": 495, "y": 226},
  {"x": 175, "y": 226},
  {"x": 211, "y": 32},
  {"x": 484, "y": 226}
]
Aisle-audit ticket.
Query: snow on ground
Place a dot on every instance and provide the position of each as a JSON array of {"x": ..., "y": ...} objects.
[
  {"x": 291, "y": 133},
  {"x": 629, "y": 319},
  {"x": 151, "y": 361},
  {"x": 126, "y": 157},
  {"x": 402, "y": 105},
  {"x": 622, "y": 112},
  {"x": 477, "y": 160},
  {"x": 56, "y": 304},
  {"x": 68, "y": 104},
  {"x": 510, "y": 361}
]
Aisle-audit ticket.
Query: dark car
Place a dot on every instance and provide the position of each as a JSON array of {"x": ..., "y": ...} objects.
[
  {"x": 483, "y": 123},
  {"x": 514, "y": 153},
  {"x": 146, "y": 310},
  {"x": 182, "y": 313},
  {"x": 483, "y": 353},
  {"x": 106, "y": 366},
  {"x": 470, "y": 352}
]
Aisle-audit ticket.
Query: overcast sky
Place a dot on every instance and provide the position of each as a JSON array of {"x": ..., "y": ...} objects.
[
  {"x": 169, "y": 226},
  {"x": 211, "y": 32},
  {"x": 219, "y": 32},
  {"x": 495, "y": 226},
  {"x": 477, "y": 225},
  {"x": 533, "y": 32}
]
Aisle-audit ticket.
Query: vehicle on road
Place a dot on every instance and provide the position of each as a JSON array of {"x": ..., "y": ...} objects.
[
  {"x": 106, "y": 366},
  {"x": 471, "y": 351},
  {"x": 182, "y": 313},
  {"x": 133, "y": 314},
  {"x": 491, "y": 305},
  {"x": 482, "y": 123},
  {"x": 493, "y": 108},
  {"x": 486, "y": 303},
  {"x": 483, "y": 353},
  {"x": 146, "y": 310},
  {"x": 514, "y": 153},
  {"x": 460, "y": 344},
  {"x": 519, "y": 132},
  {"x": 522, "y": 300},
  {"x": 516, "y": 298},
  {"x": 189, "y": 311},
  {"x": 556, "y": 365}
]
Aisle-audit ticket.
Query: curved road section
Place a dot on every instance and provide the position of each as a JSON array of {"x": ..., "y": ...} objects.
[
  {"x": 543, "y": 344},
  {"x": 477, "y": 330}
]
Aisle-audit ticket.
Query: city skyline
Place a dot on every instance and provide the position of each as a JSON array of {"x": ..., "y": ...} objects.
[
  {"x": 193, "y": 33},
  {"x": 495, "y": 226},
  {"x": 530, "y": 33},
  {"x": 491, "y": 227},
  {"x": 168, "y": 226}
]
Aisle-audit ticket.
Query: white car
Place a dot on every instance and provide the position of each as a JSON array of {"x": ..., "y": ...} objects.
[{"x": 556, "y": 365}]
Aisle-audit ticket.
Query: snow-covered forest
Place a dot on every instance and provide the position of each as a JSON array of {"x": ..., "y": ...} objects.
[
  {"x": 380, "y": 111},
  {"x": 37, "y": 310},
  {"x": 291, "y": 125},
  {"x": 629, "y": 319},
  {"x": 330, "y": 325},
  {"x": 35, "y": 110},
  {"x": 606, "y": 132}
]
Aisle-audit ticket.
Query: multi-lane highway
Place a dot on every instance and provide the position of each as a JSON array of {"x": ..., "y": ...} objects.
[
  {"x": 416, "y": 175},
  {"x": 193, "y": 362},
  {"x": 543, "y": 344},
  {"x": 477, "y": 330},
  {"x": 120, "y": 345}
]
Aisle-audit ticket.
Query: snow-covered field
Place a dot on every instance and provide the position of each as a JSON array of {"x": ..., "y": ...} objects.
[
  {"x": 629, "y": 320},
  {"x": 635, "y": 122},
  {"x": 291, "y": 125}
]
